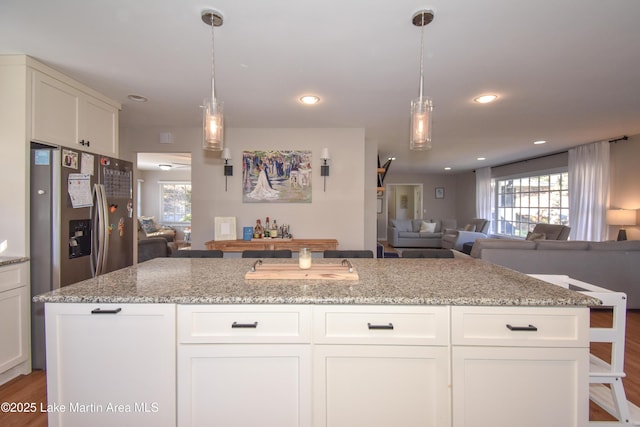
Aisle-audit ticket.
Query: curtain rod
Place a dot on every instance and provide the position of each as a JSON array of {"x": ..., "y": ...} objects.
[
  {"x": 615, "y": 140},
  {"x": 622, "y": 138}
]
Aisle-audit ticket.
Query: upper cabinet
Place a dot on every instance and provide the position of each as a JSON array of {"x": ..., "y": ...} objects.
[{"x": 66, "y": 115}]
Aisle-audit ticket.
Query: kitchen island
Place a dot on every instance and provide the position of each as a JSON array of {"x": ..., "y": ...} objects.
[{"x": 426, "y": 342}]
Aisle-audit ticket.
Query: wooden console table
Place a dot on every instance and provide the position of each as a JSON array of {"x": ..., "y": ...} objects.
[{"x": 316, "y": 245}]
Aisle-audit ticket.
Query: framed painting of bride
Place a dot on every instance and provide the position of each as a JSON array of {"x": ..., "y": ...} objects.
[{"x": 276, "y": 176}]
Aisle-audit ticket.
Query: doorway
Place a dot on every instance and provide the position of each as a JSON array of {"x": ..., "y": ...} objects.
[
  {"x": 164, "y": 191},
  {"x": 403, "y": 201}
]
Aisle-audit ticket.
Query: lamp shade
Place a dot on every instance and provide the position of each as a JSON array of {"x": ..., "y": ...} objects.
[
  {"x": 421, "y": 109},
  {"x": 213, "y": 125},
  {"x": 324, "y": 154},
  {"x": 226, "y": 153},
  {"x": 621, "y": 217}
]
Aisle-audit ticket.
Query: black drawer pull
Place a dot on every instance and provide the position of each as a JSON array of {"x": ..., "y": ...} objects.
[
  {"x": 389, "y": 326},
  {"x": 101, "y": 311},
  {"x": 244, "y": 325},
  {"x": 529, "y": 328}
]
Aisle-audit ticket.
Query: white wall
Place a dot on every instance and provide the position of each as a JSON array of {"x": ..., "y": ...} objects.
[
  {"x": 345, "y": 211},
  {"x": 624, "y": 185}
]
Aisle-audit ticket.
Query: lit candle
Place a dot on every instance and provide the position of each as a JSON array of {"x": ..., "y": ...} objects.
[{"x": 304, "y": 258}]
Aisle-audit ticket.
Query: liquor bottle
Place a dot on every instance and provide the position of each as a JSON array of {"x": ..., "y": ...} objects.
[
  {"x": 267, "y": 229},
  {"x": 258, "y": 231},
  {"x": 274, "y": 230}
]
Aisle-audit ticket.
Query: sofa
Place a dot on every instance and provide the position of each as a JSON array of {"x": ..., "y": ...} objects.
[
  {"x": 155, "y": 247},
  {"x": 148, "y": 228},
  {"x": 477, "y": 228},
  {"x": 417, "y": 233},
  {"x": 611, "y": 265}
]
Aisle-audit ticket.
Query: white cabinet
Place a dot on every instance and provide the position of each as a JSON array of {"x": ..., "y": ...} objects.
[
  {"x": 15, "y": 358},
  {"x": 524, "y": 366},
  {"x": 111, "y": 364},
  {"x": 244, "y": 366},
  {"x": 381, "y": 366},
  {"x": 321, "y": 365},
  {"x": 65, "y": 115}
]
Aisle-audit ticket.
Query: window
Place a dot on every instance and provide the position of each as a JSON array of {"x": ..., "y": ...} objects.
[
  {"x": 175, "y": 202},
  {"x": 523, "y": 202}
]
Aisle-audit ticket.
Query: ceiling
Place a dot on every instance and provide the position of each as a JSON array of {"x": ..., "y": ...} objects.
[{"x": 565, "y": 71}]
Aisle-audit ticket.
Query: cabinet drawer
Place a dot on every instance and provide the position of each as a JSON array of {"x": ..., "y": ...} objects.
[
  {"x": 521, "y": 326},
  {"x": 399, "y": 325},
  {"x": 13, "y": 276},
  {"x": 244, "y": 324}
]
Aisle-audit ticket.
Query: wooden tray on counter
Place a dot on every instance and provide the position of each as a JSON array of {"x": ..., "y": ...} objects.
[{"x": 293, "y": 271}]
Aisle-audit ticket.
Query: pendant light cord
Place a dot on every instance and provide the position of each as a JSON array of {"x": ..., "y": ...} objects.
[
  {"x": 213, "y": 62},
  {"x": 421, "y": 56}
]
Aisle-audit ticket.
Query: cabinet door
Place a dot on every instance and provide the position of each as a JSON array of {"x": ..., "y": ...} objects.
[
  {"x": 241, "y": 385},
  {"x": 111, "y": 367},
  {"x": 14, "y": 327},
  {"x": 519, "y": 386},
  {"x": 98, "y": 126},
  {"x": 54, "y": 114},
  {"x": 381, "y": 386}
]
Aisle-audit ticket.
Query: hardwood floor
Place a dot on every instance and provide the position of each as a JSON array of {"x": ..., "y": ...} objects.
[
  {"x": 26, "y": 390},
  {"x": 31, "y": 389}
]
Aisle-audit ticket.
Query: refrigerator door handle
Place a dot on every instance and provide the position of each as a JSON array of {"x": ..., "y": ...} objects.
[
  {"x": 93, "y": 216},
  {"x": 100, "y": 231},
  {"x": 104, "y": 229}
]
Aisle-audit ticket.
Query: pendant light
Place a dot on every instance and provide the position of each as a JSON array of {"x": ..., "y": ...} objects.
[
  {"x": 421, "y": 107},
  {"x": 213, "y": 122}
]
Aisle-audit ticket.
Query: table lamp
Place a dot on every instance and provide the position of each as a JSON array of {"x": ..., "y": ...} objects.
[{"x": 621, "y": 217}]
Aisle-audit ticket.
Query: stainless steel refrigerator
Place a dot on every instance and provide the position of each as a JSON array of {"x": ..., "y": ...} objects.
[{"x": 81, "y": 223}]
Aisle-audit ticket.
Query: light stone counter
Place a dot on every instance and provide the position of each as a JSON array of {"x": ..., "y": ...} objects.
[
  {"x": 6, "y": 260},
  {"x": 381, "y": 281}
]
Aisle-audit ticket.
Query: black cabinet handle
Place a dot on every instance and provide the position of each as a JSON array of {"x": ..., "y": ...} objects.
[
  {"x": 101, "y": 311},
  {"x": 244, "y": 325},
  {"x": 372, "y": 327},
  {"x": 529, "y": 328}
]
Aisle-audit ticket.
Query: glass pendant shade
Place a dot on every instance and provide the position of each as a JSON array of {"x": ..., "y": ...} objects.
[
  {"x": 213, "y": 125},
  {"x": 421, "y": 109}
]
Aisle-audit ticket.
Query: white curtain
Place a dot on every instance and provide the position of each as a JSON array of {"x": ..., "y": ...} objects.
[
  {"x": 484, "y": 196},
  {"x": 588, "y": 191}
]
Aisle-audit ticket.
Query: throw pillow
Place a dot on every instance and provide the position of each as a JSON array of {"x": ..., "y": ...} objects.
[
  {"x": 536, "y": 236},
  {"x": 148, "y": 224},
  {"x": 427, "y": 227},
  {"x": 470, "y": 227}
]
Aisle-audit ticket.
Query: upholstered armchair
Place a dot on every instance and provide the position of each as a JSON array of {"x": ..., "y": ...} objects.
[
  {"x": 549, "y": 232},
  {"x": 456, "y": 238}
]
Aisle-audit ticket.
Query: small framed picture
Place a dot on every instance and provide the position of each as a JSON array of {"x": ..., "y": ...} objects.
[
  {"x": 439, "y": 192},
  {"x": 225, "y": 228}
]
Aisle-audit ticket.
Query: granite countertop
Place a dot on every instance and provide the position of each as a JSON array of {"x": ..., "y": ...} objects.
[
  {"x": 381, "y": 281},
  {"x": 8, "y": 260}
]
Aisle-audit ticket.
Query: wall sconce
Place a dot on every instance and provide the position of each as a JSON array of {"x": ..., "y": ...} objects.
[
  {"x": 621, "y": 217},
  {"x": 228, "y": 169},
  {"x": 324, "y": 169}
]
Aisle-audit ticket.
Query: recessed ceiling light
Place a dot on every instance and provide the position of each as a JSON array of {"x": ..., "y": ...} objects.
[
  {"x": 447, "y": 168},
  {"x": 539, "y": 142},
  {"x": 137, "y": 98},
  {"x": 482, "y": 158},
  {"x": 309, "y": 99},
  {"x": 484, "y": 99},
  {"x": 164, "y": 167}
]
